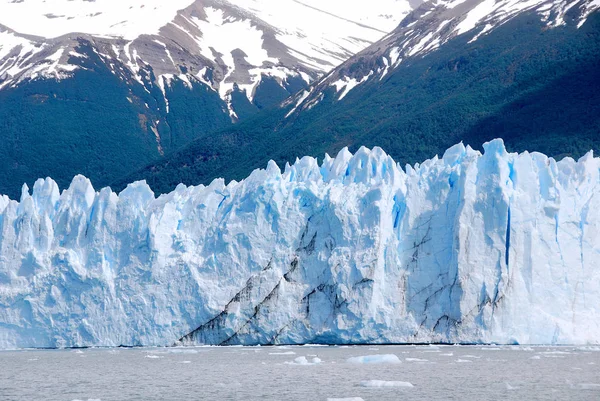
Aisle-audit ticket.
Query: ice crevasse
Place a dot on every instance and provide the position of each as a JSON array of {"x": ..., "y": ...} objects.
[{"x": 494, "y": 247}]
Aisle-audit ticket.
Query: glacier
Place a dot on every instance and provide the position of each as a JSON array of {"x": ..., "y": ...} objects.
[{"x": 491, "y": 247}]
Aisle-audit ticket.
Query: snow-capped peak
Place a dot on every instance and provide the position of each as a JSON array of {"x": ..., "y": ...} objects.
[{"x": 219, "y": 43}]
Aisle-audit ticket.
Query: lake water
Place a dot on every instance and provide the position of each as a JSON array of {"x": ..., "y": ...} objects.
[{"x": 303, "y": 373}]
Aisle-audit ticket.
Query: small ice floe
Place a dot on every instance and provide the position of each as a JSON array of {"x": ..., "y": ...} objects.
[
  {"x": 78, "y": 351},
  {"x": 373, "y": 349},
  {"x": 383, "y": 383},
  {"x": 463, "y": 360},
  {"x": 301, "y": 360},
  {"x": 384, "y": 358},
  {"x": 283, "y": 353},
  {"x": 589, "y": 349},
  {"x": 182, "y": 351},
  {"x": 346, "y": 399},
  {"x": 490, "y": 349},
  {"x": 186, "y": 361},
  {"x": 535, "y": 357},
  {"x": 584, "y": 386},
  {"x": 471, "y": 356},
  {"x": 153, "y": 356},
  {"x": 448, "y": 354},
  {"x": 33, "y": 359},
  {"x": 510, "y": 387},
  {"x": 415, "y": 360}
]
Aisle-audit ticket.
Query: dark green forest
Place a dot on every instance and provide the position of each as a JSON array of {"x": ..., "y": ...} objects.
[{"x": 104, "y": 125}]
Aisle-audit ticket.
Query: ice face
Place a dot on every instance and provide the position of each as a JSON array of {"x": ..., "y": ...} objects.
[{"x": 470, "y": 247}]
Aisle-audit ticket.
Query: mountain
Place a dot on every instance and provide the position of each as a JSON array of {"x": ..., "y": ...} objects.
[
  {"x": 102, "y": 88},
  {"x": 495, "y": 247},
  {"x": 525, "y": 71}
]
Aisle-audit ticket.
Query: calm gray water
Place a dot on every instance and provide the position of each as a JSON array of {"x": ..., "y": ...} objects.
[{"x": 293, "y": 373}]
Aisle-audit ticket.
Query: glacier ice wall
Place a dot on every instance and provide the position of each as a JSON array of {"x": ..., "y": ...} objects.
[{"x": 496, "y": 247}]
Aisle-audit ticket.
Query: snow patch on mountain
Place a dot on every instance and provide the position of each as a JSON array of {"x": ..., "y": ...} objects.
[
  {"x": 347, "y": 84},
  {"x": 494, "y": 247},
  {"x": 126, "y": 19}
]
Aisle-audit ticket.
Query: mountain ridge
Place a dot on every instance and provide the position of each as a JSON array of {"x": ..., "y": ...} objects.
[{"x": 424, "y": 105}]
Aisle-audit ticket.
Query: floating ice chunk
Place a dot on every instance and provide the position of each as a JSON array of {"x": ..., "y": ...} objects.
[
  {"x": 448, "y": 354},
  {"x": 594, "y": 349},
  {"x": 346, "y": 399},
  {"x": 463, "y": 360},
  {"x": 153, "y": 356},
  {"x": 186, "y": 361},
  {"x": 385, "y": 358},
  {"x": 383, "y": 383},
  {"x": 416, "y": 360},
  {"x": 471, "y": 356},
  {"x": 89, "y": 399},
  {"x": 183, "y": 351},
  {"x": 535, "y": 357},
  {"x": 589, "y": 386},
  {"x": 510, "y": 387},
  {"x": 283, "y": 353},
  {"x": 301, "y": 360}
]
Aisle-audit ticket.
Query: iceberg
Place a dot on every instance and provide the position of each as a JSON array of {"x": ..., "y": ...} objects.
[{"x": 491, "y": 247}]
